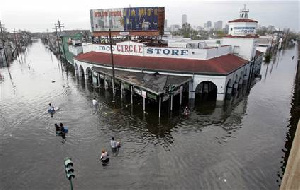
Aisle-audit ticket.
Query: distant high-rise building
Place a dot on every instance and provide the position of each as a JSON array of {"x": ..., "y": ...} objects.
[
  {"x": 218, "y": 25},
  {"x": 208, "y": 24},
  {"x": 166, "y": 24},
  {"x": 184, "y": 19},
  {"x": 205, "y": 25}
]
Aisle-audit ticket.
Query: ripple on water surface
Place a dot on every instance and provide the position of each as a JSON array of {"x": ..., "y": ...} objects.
[{"x": 237, "y": 145}]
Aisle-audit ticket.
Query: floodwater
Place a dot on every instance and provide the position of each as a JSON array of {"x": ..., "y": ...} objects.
[{"x": 240, "y": 145}]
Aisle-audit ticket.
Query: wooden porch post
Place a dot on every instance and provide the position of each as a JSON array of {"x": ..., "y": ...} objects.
[
  {"x": 180, "y": 100},
  {"x": 171, "y": 107},
  {"x": 121, "y": 90},
  {"x": 131, "y": 95}
]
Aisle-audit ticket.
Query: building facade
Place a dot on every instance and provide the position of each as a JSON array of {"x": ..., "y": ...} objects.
[{"x": 216, "y": 68}]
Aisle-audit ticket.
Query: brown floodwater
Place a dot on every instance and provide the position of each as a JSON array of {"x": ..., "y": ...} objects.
[{"x": 238, "y": 145}]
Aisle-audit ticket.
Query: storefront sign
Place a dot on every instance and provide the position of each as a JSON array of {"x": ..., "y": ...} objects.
[
  {"x": 130, "y": 48},
  {"x": 166, "y": 51},
  {"x": 104, "y": 48},
  {"x": 124, "y": 48}
]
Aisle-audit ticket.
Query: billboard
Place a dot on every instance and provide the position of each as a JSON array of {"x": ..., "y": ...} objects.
[
  {"x": 103, "y": 19},
  {"x": 130, "y": 19},
  {"x": 140, "y": 18}
]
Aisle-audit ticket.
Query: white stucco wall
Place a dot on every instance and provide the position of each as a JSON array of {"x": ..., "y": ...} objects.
[
  {"x": 219, "y": 81},
  {"x": 247, "y": 46},
  {"x": 84, "y": 66},
  {"x": 75, "y": 50},
  {"x": 238, "y": 75}
]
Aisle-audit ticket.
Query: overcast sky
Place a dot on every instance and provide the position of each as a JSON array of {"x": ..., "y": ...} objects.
[{"x": 40, "y": 15}]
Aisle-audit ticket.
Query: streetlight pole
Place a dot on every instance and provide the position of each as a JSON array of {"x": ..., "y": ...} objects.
[
  {"x": 113, "y": 66},
  {"x": 69, "y": 170},
  {"x": 71, "y": 184}
]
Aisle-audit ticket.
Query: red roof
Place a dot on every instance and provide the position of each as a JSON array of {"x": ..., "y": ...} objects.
[
  {"x": 243, "y": 20},
  {"x": 220, "y": 65}
]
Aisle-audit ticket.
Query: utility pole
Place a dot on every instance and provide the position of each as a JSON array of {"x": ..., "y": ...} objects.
[
  {"x": 58, "y": 26},
  {"x": 57, "y": 41},
  {"x": 16, "y": 41},
  {"x": 48, "y": 38},
  {"x": 2, "y": 35},
  {"x": 2, "y": 39},
  {"x": 113, "y": 66}
]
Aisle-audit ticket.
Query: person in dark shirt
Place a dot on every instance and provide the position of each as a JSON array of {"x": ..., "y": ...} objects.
[
  {"x": 57, "y": 129},
  {"x": 63, "y": 134}
]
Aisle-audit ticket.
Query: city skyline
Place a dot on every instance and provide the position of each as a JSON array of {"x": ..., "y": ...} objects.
[{"x": 77, "y": 16}]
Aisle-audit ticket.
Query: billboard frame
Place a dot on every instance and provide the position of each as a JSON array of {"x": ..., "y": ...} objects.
[{"x": 158, "y": 16}]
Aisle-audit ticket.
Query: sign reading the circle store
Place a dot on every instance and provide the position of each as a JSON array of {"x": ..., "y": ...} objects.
[{"x": 132, "y": 48}]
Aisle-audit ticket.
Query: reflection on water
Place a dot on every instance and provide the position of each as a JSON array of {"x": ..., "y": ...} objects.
[
  {"x": 293, "y": 122},
  {"x": 235, "y": 145}
]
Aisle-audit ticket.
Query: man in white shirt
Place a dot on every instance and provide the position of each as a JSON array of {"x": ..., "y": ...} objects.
[
  {"x": 51, "y": 109},
  {"x": 95, "y": 104},
  {"x": 113, "y": 143},
  {"x": 94, "y": 101}
]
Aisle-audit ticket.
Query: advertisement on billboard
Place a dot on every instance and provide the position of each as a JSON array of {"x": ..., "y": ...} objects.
[
  {"x": 103, "y": 19},
  {"x": 127, "y": 19},
  {"x": 141, "y": 18}
]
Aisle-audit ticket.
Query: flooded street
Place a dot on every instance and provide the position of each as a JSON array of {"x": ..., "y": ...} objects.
[{"x": 240, "y": 145}]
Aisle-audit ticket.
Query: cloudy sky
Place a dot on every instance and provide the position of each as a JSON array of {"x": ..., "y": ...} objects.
[{"x": 40, "y": 15}]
